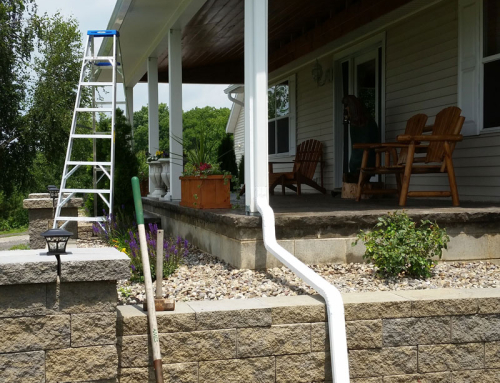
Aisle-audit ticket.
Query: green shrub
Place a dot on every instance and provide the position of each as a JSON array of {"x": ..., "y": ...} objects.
[
  {"x": 12, "y": 213},
  {"x": 400, "y": 247}
]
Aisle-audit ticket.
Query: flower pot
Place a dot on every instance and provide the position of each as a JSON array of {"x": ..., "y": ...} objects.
[
  {"x": 155, "y": 178},
  {"x": 206, "y": 192}
]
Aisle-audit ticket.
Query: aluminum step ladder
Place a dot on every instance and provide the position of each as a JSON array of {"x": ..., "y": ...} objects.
[{"x": 92, "y": 65}]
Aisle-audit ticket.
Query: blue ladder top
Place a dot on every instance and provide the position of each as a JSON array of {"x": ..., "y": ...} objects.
[{"x": 103, "y": 33}]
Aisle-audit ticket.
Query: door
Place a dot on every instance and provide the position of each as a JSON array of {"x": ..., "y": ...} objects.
[{"x": 359, "y": 74}]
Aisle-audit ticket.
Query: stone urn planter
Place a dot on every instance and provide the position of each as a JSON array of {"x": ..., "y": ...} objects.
[
  {"x": 206, "y": 192},
  {"x": 165, "y": 177},
  {"x": 157, "y": 189}
]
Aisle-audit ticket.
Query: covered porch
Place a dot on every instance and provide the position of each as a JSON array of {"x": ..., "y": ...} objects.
[
  {"x": 320, "y": 229},
  {"x": 416, "y": 56}
]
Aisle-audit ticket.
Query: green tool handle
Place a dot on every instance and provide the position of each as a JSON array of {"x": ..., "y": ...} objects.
[{"x": 136, "y": 190}]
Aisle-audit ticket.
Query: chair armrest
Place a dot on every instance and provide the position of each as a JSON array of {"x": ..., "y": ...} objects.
[
  {"x": 402, "y": 145},
  {"x": 367, "y": 146},
  {"x": 279, "y": 162},
  {"x": 431, "y": 138}
]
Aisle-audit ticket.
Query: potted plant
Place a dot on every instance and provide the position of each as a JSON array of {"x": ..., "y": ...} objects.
[{"x": 203, "y": 184}]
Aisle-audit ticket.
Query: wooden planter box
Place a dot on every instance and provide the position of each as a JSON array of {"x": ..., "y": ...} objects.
[{"x": 210, "y": 192}]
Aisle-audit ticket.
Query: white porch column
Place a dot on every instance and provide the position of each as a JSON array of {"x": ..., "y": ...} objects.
[
  {"x": 256, "y": 152},
  {"x": 175, "y": 109},
  {"x": 129, "y": 108},
  {"x": 153, "y": 124}
]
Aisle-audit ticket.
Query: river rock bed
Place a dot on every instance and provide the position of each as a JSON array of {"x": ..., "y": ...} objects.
[{"x": 204, "y": 277}]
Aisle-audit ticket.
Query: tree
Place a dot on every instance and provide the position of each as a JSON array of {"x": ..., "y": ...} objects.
[
  {"x": 209, "y": 119},
  {"x": 57, "y": 74},
  {"x": 16, "y": 46},
  {"x": 141, "y": 128}
]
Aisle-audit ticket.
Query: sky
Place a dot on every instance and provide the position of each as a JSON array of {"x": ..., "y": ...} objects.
[{"x": 95, "y": 14}]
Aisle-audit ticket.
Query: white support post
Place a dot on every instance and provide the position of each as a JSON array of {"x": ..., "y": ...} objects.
[
  {"x": 256, "y": 153},
  {"x": 175, "y": 104},
  {"x": 153, "y": 124},
  {"x": 129, "y": 99}
]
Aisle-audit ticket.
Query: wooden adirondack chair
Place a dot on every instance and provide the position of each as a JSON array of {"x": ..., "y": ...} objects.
[
  {"x": 309, "y": 153},
  {"x": 414, "y": 126},
  {"x": 438, "y": 155}
]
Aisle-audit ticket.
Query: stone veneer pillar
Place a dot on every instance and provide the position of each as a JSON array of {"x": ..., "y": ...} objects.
[
  {"x": 39, "y": 207},
  {"x": 58, "y": 321}
]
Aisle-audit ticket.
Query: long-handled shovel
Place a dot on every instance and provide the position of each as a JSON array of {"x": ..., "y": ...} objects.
[{"x": 153, "y": 327}]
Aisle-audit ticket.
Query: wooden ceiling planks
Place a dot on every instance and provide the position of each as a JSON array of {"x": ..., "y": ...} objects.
[{"x": 213, "y": 41}]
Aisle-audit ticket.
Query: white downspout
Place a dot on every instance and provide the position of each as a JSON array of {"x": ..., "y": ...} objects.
[
  {"x": 257, "y": 180},
  {"x": 332, "y": 297}
]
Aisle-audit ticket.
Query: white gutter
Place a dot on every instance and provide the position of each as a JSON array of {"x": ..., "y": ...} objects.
[
  {"x": 332, "y": 297},
  {"x": 257, "y": 180}
]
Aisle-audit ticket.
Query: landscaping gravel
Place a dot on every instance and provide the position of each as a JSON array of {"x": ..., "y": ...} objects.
[{"x": 204, "y": 277}]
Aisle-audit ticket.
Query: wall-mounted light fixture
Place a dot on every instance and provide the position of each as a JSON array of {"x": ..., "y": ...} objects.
[{"x": 317, "y": 74}]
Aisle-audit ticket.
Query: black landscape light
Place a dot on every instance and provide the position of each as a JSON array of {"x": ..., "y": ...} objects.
[
  {"x": 53, "y": 191},
  {"x": 57, "y": 239}
]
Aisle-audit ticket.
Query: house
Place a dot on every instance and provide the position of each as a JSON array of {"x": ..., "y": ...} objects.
[
  {"x": 430, "y": 56},
  {"x": 401, "y": 57}
]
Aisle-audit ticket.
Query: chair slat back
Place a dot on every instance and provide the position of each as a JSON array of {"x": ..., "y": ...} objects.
[
  {"x": 447, "y": 123},
  {"x": 307, "y": 157},
  {"x": 414, "y": 127}
]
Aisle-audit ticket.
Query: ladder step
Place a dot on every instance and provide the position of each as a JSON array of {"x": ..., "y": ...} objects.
[
  {"x": 97, "y": 83},
  {"x": 102, "y": 32},
  {"x": 110, "y": 103},
  {"x": 82, "y": 219},
  {"x": 94, "y": 109},
  {"x": 91, "y": 135},
  {"x": 98, "y": 58},
  {"x": 88, "y": 163},
  {"x": 88, "y": 191}
]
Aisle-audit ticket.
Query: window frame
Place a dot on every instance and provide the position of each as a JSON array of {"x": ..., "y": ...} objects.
[
  {"x": 483, "y": 61},
  {"x": 292, "y": 125}
]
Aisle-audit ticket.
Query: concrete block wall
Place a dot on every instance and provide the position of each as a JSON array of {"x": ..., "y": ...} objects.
[
  {"x": 440, "y": 335},
  {"x": 59, "y": 327}
]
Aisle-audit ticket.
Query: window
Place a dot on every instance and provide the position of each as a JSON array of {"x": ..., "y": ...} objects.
[
  {"x": 281, "y": 120},
  {"x": 479, "y": 65},
  {"x": 491, "y": 64}
]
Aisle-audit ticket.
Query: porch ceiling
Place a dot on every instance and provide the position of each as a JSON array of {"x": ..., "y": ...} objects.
[{"x": 213, "y": 38}]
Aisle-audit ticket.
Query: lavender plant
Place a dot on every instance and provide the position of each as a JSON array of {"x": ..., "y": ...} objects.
[{"x": 123, "y": 235}]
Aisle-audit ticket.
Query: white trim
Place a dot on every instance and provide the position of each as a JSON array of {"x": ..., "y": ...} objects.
[
  {"x": 469, "y": 95},
  {"x": 483, "y": 61},
  {"x": 234, "y": 115}
]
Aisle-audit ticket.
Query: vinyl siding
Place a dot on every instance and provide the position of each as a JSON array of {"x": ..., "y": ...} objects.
[{"x": 421, "y": 77}]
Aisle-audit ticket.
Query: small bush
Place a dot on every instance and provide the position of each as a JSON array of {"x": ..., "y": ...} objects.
[
  {"x": 120, "y": 231},
  {"x": 398, "y": 247}
]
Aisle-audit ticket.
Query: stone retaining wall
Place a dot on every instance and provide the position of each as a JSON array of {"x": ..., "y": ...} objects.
[
  {"x": 415, "y": 336},
  {"x": 40, "y": 212},
  {"x": 59, "y": 328}
]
